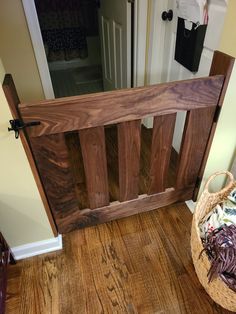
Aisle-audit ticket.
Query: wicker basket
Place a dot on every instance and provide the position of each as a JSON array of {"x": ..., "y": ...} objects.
[{"x": 216, "y": 289}]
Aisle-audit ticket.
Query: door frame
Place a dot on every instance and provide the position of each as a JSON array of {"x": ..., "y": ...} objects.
[
  {"x": 38, "y": 46},
  {"x": 139, "y": 44}
]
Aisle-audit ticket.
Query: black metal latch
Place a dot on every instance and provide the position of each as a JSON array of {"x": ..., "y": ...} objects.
[{"x": 17, "y": 125}]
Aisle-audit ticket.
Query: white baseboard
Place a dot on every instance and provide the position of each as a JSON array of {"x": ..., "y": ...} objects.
[
  {"x": 148, "y": 122},
  {"x": 37, "y": 248},
  {"x": 191, "y": 205}
]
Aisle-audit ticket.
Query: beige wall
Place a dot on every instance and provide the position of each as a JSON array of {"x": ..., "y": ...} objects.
[
  {"x": 223, "y": 147},
  {"x": 16, "y": 51},
  {"x": 22, "y": 215},
  {"x": 228, "y": 39}
]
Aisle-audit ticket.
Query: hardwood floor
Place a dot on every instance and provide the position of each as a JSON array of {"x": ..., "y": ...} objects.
[{"x": 140, "y": 264}]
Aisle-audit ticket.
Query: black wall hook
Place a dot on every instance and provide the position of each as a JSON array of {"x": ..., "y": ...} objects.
[{"x": 17, "y": 125}]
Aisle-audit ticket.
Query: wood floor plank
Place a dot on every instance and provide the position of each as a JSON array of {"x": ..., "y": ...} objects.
[{"x": 140, "y": 264}]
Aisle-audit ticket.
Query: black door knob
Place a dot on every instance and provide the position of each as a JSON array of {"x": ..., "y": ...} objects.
[{"x": 167, "y": 15}]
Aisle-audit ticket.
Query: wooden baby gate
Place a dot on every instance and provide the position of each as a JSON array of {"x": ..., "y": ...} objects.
[{"x": 87, "y": 115}]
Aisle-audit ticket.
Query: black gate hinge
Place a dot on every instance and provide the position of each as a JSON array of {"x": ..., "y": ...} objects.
[
  {"x": 17, "y": 125},
  {"x": 217, "y": 114}
]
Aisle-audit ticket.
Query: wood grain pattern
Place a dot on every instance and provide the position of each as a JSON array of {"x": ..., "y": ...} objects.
[
  {"x": 13, "y": 102},
  {"x": 78, "y": 180},
  {"x": 129, "y": 138},
  {"x": 195, "y": 136},
  {"x": 163, "y": 130},
  {"x": 81, "y": 112},
  {"x": 141, "y": 264},
  {"x": 90, "y": 113},
  {"x": 51, "y": 155},
  {"x": 145, "y": 160},
  {"x": 145, "y": 153},
  {"x": 95, "y": 165},
  {"x": 112, "y": 161},
  {"x": 117, "y": 210},
  {"x": 77, "y": 168},
  {"x": 221, "y": 64},
  {"x": 145, "y": 157}
]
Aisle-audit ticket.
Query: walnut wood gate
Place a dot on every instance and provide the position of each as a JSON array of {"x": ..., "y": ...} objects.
[{"x": 86, "y": 116}]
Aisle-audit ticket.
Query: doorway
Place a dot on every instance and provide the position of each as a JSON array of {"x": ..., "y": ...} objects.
[
  {"x": 81, "y": 46},
  {"x": 71, "y": 41}
]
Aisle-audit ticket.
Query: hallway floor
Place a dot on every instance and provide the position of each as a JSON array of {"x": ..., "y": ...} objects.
[
  {"x": 140, "y": 264},
  {"x": 77, "y": 81}
]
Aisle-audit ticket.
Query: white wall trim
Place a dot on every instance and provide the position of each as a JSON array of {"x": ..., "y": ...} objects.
[
  {"x": 191, "y": 205},
  {"x": 37, "y": 42},
  {"x": 140, "y": 45},
  {"x": 128, "y": 41},
  {"x": 156, "y": 42},
  {"x": 37, "y": 248},
  {"x": 140, "y": 31}
]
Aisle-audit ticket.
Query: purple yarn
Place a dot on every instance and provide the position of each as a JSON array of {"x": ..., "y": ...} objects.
[{"x": 220, "y": 247}]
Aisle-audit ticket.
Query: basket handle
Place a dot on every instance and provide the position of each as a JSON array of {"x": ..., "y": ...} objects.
[
  {"x": 200, "y": 211},
  {"x": 226, "y": 189}
]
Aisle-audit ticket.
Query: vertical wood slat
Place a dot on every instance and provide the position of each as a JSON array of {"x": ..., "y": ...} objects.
[
  {"x": 112, "y": 162},
  {"x": 95, "y": 165},
  {"x": 163, "y": 130},
  {"x": 77, "y": 167},
  {"x": 129, "y": 142},
  {"x": 195, "y": 137},
  {"x": 221, "y": 64},
  {"x": 52, "y": 158},
  {"x": 13, "y": 102}
]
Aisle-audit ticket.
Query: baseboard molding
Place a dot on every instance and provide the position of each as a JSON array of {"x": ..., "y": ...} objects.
[
  {"x": 148, "y": 122},
  {"x": 37, "y": 248},
  {"x": 191, "y": 205}
]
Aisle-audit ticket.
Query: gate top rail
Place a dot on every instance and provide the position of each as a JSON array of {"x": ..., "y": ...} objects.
[{"x": 81, "y": 112}]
